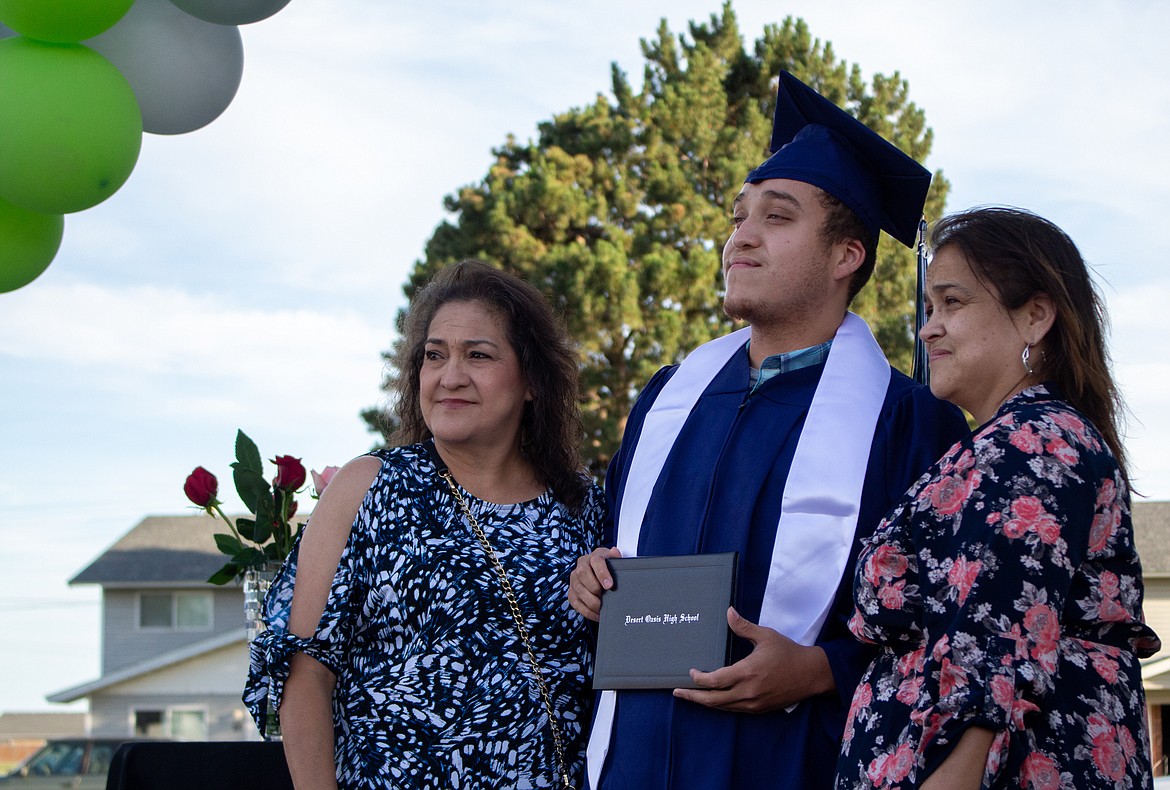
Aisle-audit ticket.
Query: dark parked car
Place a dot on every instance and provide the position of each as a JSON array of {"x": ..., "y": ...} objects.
[{"x": 65, "y": 762}]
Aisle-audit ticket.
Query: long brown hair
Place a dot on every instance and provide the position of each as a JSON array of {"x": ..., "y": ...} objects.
[
  {"x": 550, "y": 429},
  {"x": 1017, "y": 254}
]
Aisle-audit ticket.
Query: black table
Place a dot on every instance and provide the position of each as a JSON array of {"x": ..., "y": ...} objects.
[{"x": 212, "y": 765}]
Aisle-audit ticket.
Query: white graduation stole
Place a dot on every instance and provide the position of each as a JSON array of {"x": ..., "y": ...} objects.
[{"x": 822, "y": 494}]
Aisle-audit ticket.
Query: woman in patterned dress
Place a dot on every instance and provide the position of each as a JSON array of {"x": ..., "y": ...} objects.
[
  {"x": 1004, "y": 590},
  {"x": 392, "y": 655}
]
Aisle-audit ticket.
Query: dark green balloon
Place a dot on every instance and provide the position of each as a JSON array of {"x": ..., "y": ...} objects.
[
  {"x": 28, "y": 242},
  {"x": 62, "y": 21},
  {"x": 70, "y": 128}
]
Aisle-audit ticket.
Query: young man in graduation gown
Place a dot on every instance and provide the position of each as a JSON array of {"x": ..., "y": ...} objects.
[{"x": 787, "y": 442}]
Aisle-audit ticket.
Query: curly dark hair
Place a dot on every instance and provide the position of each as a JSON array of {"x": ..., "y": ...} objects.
[
  {"x": 1017, "y": 254},
  {"x": 550, "y": 430}
]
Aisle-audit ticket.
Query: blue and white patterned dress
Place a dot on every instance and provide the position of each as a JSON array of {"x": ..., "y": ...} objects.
[{"x": 433, "y": 685}]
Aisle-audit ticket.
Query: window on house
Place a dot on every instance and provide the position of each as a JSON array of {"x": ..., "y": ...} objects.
[
  {"x": 180, "y": 610},
  {"x": 149, "y": 724},
  {"x": 189, "y": 725},
  {"x": 179, "y": 723}
]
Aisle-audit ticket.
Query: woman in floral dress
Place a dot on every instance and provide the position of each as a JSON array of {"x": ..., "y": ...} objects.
[{"x": 1004, "y": 590}]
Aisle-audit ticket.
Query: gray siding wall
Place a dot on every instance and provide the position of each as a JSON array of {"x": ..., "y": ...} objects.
[
  {"x": 124, "y": 643},
  {"x": 228, "y": 719}
]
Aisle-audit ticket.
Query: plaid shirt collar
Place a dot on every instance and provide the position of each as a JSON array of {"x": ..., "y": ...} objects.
[{"x": 788, "y": 362}]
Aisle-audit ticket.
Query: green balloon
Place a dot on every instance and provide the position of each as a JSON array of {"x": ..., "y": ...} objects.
[
  {"x": 70, "y": 128},
  {"x": 62, "y": 21},
  {"x": 28, "y": 242}
]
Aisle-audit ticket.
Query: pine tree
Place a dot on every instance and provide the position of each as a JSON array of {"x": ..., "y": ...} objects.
[{"x": 618, "y": 210}]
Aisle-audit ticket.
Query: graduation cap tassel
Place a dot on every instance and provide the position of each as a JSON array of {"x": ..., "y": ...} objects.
[{"x": 921, "y": 369}]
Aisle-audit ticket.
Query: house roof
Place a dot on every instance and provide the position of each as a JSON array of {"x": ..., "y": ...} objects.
[
  {"x": 152, "y": 664},
  {"x": 160, "y": 551},
  {"x": 1151, "y": 527},
  {"x": 41, "y": 725}
]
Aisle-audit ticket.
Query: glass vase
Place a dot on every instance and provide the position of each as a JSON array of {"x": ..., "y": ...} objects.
[{"x": 257, "y": 580}]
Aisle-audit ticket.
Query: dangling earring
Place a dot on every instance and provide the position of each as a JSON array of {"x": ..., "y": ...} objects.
[{"x": 1024, "y": 357}]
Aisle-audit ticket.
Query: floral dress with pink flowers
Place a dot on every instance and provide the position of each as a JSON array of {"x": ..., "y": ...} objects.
[{"x": 1005, "y": 592}]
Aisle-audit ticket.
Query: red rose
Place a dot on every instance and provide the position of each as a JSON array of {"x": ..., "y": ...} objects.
[
  {"x": 201, "y": 487},
  {"x": 290, "y": 473}
]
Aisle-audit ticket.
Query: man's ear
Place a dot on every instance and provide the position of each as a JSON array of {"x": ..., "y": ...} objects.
[{"x": 850, "y": 256}]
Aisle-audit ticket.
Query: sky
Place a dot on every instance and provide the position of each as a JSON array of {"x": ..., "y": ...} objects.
[{"x": 248, "y": 273}]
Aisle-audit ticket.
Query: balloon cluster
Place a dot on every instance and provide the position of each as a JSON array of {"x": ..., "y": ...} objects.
[{"x": 80, "y": 81}]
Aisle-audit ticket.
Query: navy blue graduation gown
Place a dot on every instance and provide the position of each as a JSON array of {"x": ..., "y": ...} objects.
[{"x": 721, "y": 490}]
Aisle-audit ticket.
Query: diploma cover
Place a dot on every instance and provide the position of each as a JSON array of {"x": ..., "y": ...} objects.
[{"x": 662, "y": 617}]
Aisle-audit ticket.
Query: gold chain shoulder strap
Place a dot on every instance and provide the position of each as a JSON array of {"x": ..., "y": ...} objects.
[{"x": 521, "y": 628}]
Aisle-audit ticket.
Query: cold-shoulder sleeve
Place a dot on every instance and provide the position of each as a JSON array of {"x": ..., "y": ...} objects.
[{"x": 273, "y": 649}]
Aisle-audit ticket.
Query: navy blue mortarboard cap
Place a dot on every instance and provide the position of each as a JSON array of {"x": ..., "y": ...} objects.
[{"x": 817, "y": 142}]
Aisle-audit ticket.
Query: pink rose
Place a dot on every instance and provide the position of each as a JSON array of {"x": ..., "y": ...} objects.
[
  {"x": 1127, "y": 741},
  {"x": 949, "y": 494},
  {"x": 1110, "y": 611},
  {"x": 1029, "y": 515},
  {"x": 861, "y": 700},
  {"x": 1106, "y": 667},
  {"x": 951, "y": 677},
  {"x": 1043, "y": 627},
  {"x": 965, "y": 462},
  {"x": 912, "y": 662},
  {"x": 1064, "y": 451},
  {"x": 1039, "y": 771},
  {"x": 962, "y": 575},
  {"x": 1004, "y": 694},
  {"x": 890, "y": 768},
  {"x": 941, "y": 648},
  {"x": 909, "y": 690},
  {"x": 1074, "y": 425},
  {"x": 1107, "y": 495},
  {"x": 1026, "y": 441},
  {"x": 322, "y": 478},
  {"x": 290, "y": 473},
  {"x": 892, "y": 596},
  {"x": 201, "y": 488},
  {"x": 1102, "y": 529},
  {"x": 1110, "y": 584},
  {"x": 1048, "y": 529},
  {"x": 1108, "y": 757},
  {"x": 887, "y": 563}
]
